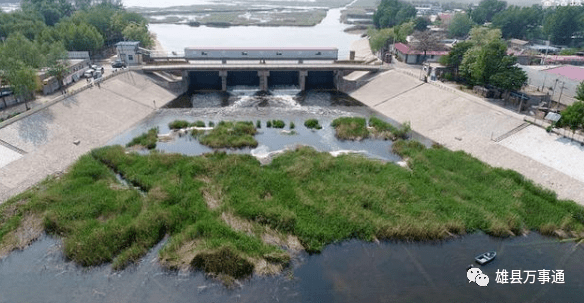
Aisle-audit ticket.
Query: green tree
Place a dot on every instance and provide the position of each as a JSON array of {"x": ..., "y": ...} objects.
[
  {"x": 563, "y": 22},
  {"x": 573, "y": 116},
  {"x": 403, "y": 30},
  {"x": 122, "y": 19},
  {"x": 22, "y": 78},
  {"x": 80, "y": 36},
  {"x": 50, "y": 10},
  {"x": 459, "y": 26},
  {"x": 455, "y": 56},
  {"x": 100, "y": 16},
  {"x": 138, "y": 32},
  {"x": 486, "y": 10},
  {"x": 487, "y": 62},
  {"x": 19, "y": 48},
  {"x": 57, "y": 61},
  {"x": 421, "y": 23},
  {"x": 580, "y": 91},
  {"x": 378, "y": 39},
  {"x": 393, "y": 12},
  {"x": 508, "y": 76},
  {"x": 519, "y": 22},
  {"x": 28, "y": 25}
]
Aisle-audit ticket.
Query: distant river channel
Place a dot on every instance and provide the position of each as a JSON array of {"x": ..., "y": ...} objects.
[{"x": 328, "y": 33}]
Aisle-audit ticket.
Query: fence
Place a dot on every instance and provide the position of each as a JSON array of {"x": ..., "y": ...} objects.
[{"x": 577, "y": 136}]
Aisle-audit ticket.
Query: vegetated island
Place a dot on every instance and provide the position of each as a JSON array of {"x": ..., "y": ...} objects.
[{"x": 230, "y": 216}]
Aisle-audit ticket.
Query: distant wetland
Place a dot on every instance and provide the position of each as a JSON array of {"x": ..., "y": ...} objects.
[{"x": 260, "y": 13}]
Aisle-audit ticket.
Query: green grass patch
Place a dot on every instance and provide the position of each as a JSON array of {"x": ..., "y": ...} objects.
[
  {"x": 199, "y": 123},
  {"x": 278, "y": 124},
  {"x": 147, "y": 140},
  {"x": 385, "y": 130},
  {"x": 350, "y": 128},
  {"x": 312, "y": 124},
  {"x": 319, "y": 198},
  {"x": 178, "y": 124},
  {"x": 231, "y": 135}
]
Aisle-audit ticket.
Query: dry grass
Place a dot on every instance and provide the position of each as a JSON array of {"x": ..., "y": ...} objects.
[{"x": 31, "y": 227}]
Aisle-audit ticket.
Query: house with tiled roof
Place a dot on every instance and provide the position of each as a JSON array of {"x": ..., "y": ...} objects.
[{"x": 408, "y": 54}]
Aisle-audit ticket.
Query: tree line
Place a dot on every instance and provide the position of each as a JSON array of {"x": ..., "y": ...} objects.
[
  {"x": 42, "y": 31},
  {"x": 563, "y": 25}
]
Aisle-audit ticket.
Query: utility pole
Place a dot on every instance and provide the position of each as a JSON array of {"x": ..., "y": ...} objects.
[
  {"x": 560, "y": 98},
  {"x": 552, "y": 97}
]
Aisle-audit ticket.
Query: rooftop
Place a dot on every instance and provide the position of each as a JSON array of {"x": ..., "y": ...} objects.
[
  {"x": 569, "y": 71},
  {"x": 405, "y": 49}
]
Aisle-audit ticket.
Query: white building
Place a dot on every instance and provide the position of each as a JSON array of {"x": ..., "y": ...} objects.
[{"x": 128, "y": 52}]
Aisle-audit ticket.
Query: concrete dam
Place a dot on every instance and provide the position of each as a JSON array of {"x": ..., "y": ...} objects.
[
  {"x": 265, "y": 68},
  {"x": 220, "y": 80}
]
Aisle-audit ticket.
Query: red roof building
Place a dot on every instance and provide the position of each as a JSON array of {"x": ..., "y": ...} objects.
[{"x": 412, "y": 56}]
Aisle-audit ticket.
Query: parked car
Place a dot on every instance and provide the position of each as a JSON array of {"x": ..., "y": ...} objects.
[
  {"x": 88, "y": 73},
  {"x": 118, "y": 64}
]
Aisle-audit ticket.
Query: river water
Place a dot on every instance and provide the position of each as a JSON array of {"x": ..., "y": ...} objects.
[
  {"x": 328, "y": 33},
  {"x": 351, "y": 271}
]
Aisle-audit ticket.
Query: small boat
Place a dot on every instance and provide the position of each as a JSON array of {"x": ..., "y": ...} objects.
[{"x": 486, "y": 257}]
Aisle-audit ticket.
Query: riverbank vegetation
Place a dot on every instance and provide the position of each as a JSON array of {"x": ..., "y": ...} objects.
[
  {"x": 356, "y": 128},
  {"x": 147, "y": 140},
  {"x": 324, "y": 199},
  {"x": 312, "y": 124},
  {"x": 350, "y": 128},
  {"x": 228, "y": 134},
  {"x": 220, "y": 206}
]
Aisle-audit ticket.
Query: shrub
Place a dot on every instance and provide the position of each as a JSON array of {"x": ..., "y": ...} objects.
[
  {"x": 223, "y": 261},
  {"x": 211, "y": 124},
  {"x": 292, "y": 126},
  {"x": 258, "y": 124},
  {"x": 350, "y": 128},
  {"x": 382, "y": 128},
  {"x": 231, "y": 135},
  {"x": 199, "y": 123},
  {"x": 278, "y": 124},
  {"x": 147, "y": 140},
  {"x": 312, "y": 124},
  {"x": 269, "y": 124},
  {"x": 178, "y": 124}
]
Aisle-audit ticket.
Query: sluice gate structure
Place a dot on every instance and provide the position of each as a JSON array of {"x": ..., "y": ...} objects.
[{"x": 219, "y": 68}]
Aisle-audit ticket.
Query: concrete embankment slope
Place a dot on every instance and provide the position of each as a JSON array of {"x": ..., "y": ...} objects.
[
  {"x": 44, "y": 141},
  {"x": 461, "y": 121}
]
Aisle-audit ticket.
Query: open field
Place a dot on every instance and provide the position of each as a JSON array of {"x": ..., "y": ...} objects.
[{"x": 225, "y": 206}]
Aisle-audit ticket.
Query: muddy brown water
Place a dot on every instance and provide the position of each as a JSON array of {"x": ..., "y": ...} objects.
[{"x": 351, "y": 271}]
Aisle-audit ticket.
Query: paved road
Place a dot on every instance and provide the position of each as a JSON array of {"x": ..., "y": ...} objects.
[{"x": 41, "y": 99}]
